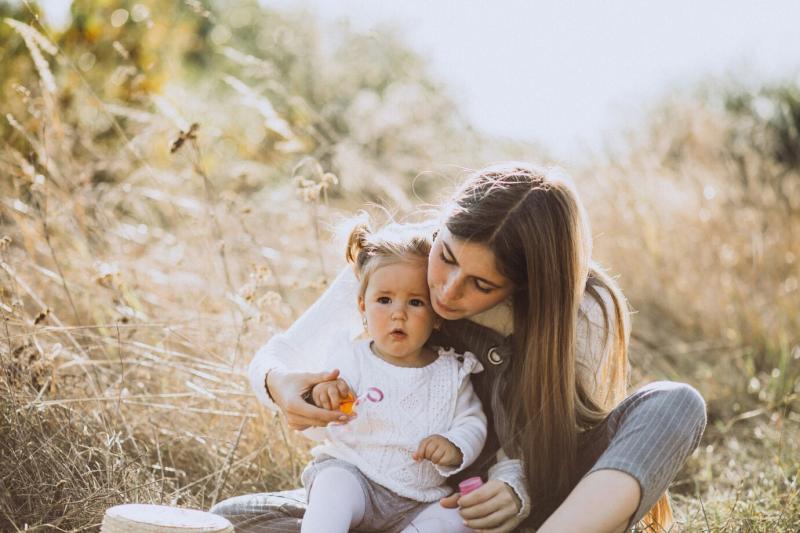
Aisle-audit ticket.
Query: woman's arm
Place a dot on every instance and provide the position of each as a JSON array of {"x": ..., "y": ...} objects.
[{"x": 290, "y": 363}]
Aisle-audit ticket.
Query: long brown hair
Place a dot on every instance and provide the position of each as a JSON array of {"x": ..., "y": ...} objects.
[{"x": 533, "y": 221}]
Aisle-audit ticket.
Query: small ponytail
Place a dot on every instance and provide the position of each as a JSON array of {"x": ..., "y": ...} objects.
[
  {"x": 368, "y": 250},
  {"x": 356, "y": 243}
]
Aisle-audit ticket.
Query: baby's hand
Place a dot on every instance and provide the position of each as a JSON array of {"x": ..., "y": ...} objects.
[
  {"x": 438, "y": 450},
  {"x": 329, "y": 394}
]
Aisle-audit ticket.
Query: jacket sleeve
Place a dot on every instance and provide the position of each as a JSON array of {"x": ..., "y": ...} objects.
[
  {"x": 510, "y": 472},
  {"x": 302, "y": 348}
]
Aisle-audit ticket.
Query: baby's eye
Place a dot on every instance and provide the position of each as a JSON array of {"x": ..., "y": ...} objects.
[
  {"x": 416, "y": 302},
  {"x": 384, "y": 300}
]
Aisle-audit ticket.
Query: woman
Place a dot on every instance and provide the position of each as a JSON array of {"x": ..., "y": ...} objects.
[{"x": 512, "y": 257}]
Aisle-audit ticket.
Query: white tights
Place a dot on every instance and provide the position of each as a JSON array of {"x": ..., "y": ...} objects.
[{"x": 336, "y": 503}]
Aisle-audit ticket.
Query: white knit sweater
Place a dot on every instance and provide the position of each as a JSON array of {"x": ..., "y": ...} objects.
[
  {"x": 303, "y": 346},
  {"x": 436, "y": 399}
]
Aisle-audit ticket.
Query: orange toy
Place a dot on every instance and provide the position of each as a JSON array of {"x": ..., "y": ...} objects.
[
  {"x": 373, "y": 394},
  {"x": 346, "y": 405}
]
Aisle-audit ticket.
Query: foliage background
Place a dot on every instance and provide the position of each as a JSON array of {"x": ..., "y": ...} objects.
[{"x": 171, "y": 173}]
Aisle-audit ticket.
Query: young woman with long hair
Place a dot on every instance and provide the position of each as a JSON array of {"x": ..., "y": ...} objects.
[{"x": 511, "y": 273}]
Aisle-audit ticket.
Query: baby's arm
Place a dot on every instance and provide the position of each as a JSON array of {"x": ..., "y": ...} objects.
[{"x": 468, "y": 431}]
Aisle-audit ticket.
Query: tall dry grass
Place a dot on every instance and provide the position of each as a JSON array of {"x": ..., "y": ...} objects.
[{"x": 139, "y": 276}]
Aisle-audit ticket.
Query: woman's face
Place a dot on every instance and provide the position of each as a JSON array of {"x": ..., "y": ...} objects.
[{"x": 463, "y": 278}]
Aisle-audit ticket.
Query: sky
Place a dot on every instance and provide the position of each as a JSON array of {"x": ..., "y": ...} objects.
[{"x": 567, "y": 75}]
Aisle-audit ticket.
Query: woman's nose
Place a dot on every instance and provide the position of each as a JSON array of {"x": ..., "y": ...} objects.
[{"x": 450, "y": 289}]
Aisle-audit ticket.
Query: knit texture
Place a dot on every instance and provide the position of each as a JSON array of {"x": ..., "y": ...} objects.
[{"x": 418, "y": 402}]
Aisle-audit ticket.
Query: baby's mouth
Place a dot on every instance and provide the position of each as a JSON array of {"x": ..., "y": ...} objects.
[{"x": 397, "y": 333}]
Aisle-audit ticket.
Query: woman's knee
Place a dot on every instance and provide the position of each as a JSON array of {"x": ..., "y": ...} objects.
[{"x": 685, "y": 405}]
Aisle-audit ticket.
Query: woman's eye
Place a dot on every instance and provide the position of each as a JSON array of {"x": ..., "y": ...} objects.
[
  {"x": 416, "y": 302},
  {"x": 484, "y": 290},
  {"x": 446, "y": 260},
  {"x": 384, "y": 300}
]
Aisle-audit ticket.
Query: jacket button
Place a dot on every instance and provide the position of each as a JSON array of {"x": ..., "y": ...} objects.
[{"x": 493, "y": 355}]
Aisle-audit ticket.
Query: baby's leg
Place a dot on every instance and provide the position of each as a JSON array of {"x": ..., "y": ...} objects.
[
  {"x": 437, "y": 519},
  {"x": 335, "y": 502}
]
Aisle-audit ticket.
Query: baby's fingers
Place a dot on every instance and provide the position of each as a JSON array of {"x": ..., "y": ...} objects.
[
  {"x": 344, "y": 389},
  {"x": 332, "y": 397},
  {"x": 422, "y": 450},
  {"x": 438, "y": 453},
  {"x": 318, "y": 396}
]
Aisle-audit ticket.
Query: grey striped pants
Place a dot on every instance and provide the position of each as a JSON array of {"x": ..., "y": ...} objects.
[{"x": 649, "y": 436}]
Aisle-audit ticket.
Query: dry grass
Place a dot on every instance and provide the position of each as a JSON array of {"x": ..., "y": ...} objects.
[{"x": 144, "y": 260}]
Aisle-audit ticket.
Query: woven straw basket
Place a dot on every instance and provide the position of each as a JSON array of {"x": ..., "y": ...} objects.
[{"x": 146, "y": 518}]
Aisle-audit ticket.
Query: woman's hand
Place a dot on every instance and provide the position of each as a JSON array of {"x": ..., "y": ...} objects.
[
  {"x": 492, "y": 508},
  {"x": 439, "y": 451},
  {"x": 287, "y": 390}
]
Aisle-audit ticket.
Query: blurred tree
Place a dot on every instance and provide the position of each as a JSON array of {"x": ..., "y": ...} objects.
[
  {"x": 764, "y": 142},
  {"x": 364, "y": 106}
]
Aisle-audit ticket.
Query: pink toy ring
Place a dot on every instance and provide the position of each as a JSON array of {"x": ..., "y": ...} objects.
[{"x": 373, "y": 394}]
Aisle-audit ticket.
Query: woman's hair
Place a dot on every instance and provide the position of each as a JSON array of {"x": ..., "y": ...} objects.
[
  {"x": 534, "y": 223},
  {"x": 393, "y": 243}
]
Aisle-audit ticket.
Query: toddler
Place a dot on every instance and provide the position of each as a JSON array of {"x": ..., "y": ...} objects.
[{"x": 416, "y": 419}]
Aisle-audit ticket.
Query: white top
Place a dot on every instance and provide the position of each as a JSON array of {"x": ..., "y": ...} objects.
[
  {"x": 436, "y": 399},
  {"x": 303, "y": 346}
]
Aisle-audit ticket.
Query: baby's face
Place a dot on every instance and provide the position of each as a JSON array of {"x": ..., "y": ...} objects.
[{"x": 399, "y": 315}]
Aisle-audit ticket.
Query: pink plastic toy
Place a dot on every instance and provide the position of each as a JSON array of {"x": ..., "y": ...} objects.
[{"x": 469, "y": 484}]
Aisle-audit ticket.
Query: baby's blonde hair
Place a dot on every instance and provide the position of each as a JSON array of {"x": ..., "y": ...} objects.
[{"x": 394, "y": 243}]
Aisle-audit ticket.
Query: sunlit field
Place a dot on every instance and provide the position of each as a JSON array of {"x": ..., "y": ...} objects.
[{"x": 172, "y": 175}]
